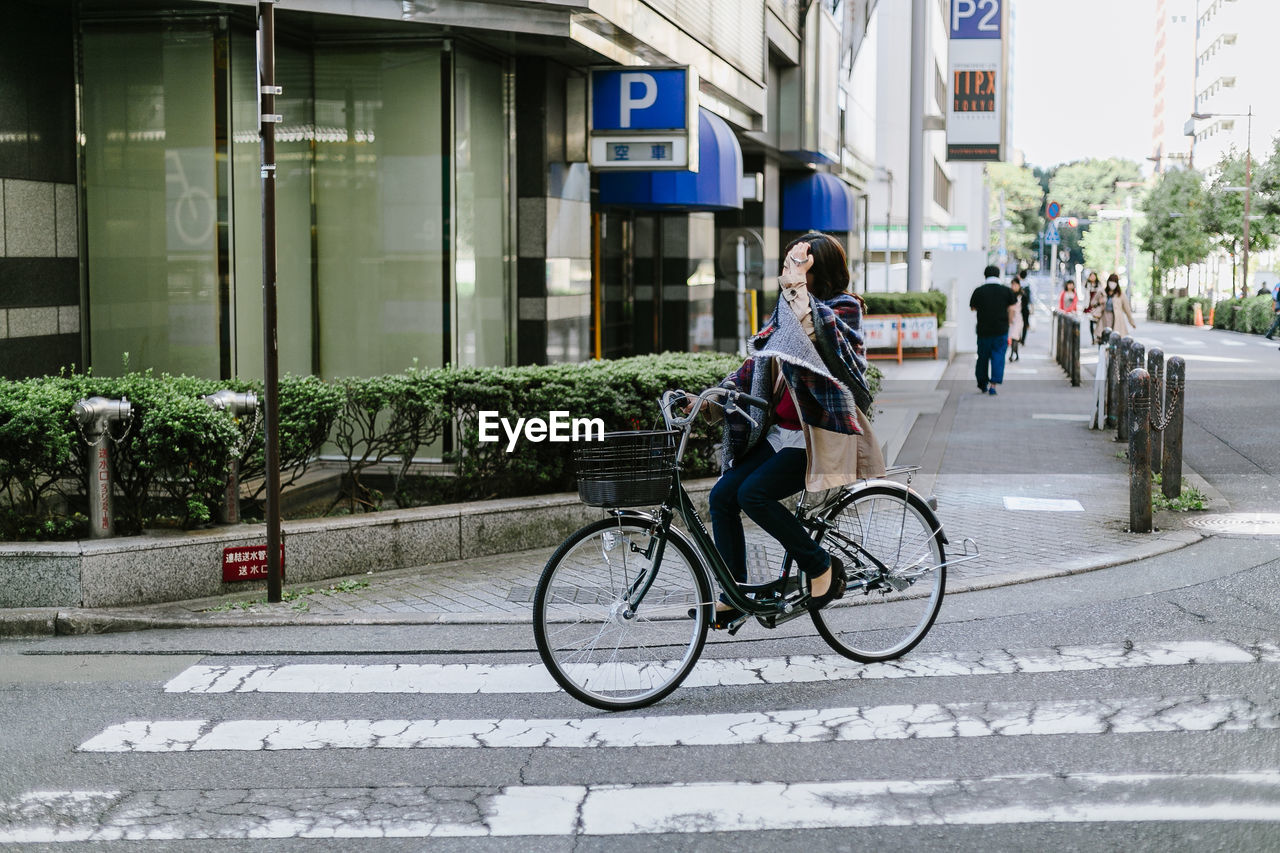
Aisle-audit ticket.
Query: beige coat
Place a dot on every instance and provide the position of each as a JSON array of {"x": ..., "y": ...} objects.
[{"x": 1120, "y": 319}]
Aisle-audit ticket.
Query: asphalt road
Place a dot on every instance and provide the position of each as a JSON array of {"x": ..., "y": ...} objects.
[{"x": 1132, "y": 708}]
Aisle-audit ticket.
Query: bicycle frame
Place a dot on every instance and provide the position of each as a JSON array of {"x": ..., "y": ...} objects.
[{"x": 764, "y": 600}]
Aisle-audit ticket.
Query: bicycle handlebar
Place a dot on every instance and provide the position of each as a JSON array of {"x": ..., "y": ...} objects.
[{"x": 669, "y": 398}]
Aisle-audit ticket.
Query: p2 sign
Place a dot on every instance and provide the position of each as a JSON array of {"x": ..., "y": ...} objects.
[
  {"x": 643, "y": 117},
  {"x": 975, "y": 19}
]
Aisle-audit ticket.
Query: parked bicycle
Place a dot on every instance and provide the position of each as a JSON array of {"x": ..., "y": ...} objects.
[{"x": 622, "y": 608}]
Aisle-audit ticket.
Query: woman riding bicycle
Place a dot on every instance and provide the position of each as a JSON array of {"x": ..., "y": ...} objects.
[{"x": 809, "y": 361}]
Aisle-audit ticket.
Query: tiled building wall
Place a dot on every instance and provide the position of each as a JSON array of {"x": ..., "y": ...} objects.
[{"x": 39, "y": 228}]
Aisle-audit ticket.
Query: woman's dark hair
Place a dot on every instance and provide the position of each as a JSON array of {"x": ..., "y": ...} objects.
[
  {"x": 1070, "y": 282},
  {"x": 830, "y": 266},
  {"x": 1112, "y": 279},
  {"x": 1115, "y": 276}
]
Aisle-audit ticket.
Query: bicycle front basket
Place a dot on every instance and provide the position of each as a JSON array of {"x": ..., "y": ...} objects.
[{"x": 626, "y": 468}]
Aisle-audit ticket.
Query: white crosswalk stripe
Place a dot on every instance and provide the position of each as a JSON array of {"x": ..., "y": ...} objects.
[
  {"x": 611, "y": 810},
  {"x": 533, "y": 677},
  {"x": 680, "y": 807},
  {"x": 886, "y": 722}
]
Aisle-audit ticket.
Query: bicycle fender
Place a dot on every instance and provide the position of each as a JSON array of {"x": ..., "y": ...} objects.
[{"x": 676, "y": 532}]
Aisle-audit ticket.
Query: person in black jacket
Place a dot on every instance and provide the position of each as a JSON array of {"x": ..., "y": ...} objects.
[{"x": 1026, "y": 311}]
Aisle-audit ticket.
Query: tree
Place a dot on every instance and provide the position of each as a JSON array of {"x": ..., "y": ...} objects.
[
  {"x": 1023, "y": 200},
  {"x": 1084, "y": 186},
  {"x": 1224, "y": 209},
  {"x": 1174, "y": 230}
]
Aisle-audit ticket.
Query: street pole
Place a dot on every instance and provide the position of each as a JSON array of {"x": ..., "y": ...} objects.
[
  {"x": 270, "y": 344},
  {"x": 1248, "y": 193},
  {"x": 1004, "y": 247},
  {"x": 1128, "y": 248},
  {"x": 915, "y": 172},
  {"x": 888, "y": 218}
]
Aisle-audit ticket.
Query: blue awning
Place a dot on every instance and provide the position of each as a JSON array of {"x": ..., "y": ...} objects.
[
  {"x": 816, "y": 202},
  {"x": 717, "y": 185}
]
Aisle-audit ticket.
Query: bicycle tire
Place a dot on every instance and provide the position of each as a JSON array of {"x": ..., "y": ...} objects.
[
  {"x": 594, "y": 650},
  {"x": 897, "y": 529}
]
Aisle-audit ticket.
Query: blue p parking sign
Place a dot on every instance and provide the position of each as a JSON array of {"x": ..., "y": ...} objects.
[
  {"x": 644, "y": 118},
  {"x": 631, "y": 99}
]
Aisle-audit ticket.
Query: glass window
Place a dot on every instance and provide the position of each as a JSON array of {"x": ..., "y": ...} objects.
[
  {"x": 150, "y": 200},
  {"x": 480, "y": 164},
  {"x": 293, "y": 208},
  {"x": 379, "y": 201}
]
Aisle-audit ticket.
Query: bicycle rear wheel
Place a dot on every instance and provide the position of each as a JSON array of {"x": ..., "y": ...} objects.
[
  {"x": 892, "y": 548},
  {"x": 599, "y": 651}
]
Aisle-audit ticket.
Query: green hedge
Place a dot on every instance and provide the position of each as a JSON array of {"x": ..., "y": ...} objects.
[
  {"x": 1252, "y": 314},
  {"x": 171, "y": 458},
  {"x": 929, "y": 302}
]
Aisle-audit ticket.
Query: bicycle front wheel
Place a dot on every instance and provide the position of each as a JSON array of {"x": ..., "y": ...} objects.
[
  {"x": 891, "y": 545},
  {"x": 603, "y": 646}
]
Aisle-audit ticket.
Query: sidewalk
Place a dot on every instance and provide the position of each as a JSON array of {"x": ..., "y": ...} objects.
[{"x": 1019, "y": 473}]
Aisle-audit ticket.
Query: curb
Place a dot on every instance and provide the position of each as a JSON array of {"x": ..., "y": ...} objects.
[{"x": 46, "y": 622}]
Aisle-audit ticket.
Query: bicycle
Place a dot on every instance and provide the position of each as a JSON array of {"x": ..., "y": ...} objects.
[{"x": 622, "y": 608}]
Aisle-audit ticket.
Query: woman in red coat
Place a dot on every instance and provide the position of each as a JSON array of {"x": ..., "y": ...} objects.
[{"x": 1068, "y": 302}]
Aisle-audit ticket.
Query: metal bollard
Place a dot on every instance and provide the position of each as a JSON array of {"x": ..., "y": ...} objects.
[
  {"x": 1175, "y": 384},
  {"x": 1123, "y": 366},
  {"x": 239, "y": 404},
  {"x": 1073, "y": 348},
  {"x": 96, "y": 415},
  {"x": 1113, "y": 372},
  {"x": 1155, "y": 369},
  {"x": 1139, "y": 394}
]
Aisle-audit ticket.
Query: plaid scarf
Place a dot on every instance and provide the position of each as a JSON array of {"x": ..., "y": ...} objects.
[{"x": 825, "y": 374}]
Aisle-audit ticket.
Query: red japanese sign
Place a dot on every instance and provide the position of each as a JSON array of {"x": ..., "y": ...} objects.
[{"x": 247, "y": 563}]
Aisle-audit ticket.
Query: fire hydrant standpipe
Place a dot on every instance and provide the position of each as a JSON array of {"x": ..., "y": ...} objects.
[
  {"x": 96, "y": 415},
  {"x": 239, "y": 404}
]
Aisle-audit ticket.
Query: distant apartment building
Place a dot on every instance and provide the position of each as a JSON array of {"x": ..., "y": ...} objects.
[
  {"x": 955, "y": 207},
  {"x": 1173, "y": 91},
  {"x": 1235, "y": 72}
]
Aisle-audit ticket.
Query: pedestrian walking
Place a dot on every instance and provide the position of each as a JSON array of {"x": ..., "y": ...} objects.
[
  {"x": 1275, "y": 308},
  {"x": 809, "y": 361},
  {"x": 1116, "y": 314},
  {"x": 1025, "y": 309},
  {"x": 1092, "y": 303},
  {"x": 1068, "y": 300},
  {"x": 995, "y": 306},
  {"x": 1018, "y": 320}
]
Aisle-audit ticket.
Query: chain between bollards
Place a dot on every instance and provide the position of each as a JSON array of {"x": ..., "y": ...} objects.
[{"x": 1171, "y": 443}]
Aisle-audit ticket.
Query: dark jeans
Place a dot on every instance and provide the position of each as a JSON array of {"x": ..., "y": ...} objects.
[
  {"x": 1275, "y": 324},
  {"x": 754, "y": 485},
  {"x": 991, "y": 356}
]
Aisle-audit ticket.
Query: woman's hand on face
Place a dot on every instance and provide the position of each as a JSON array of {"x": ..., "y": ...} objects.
[{"x": 796, "y": 265}]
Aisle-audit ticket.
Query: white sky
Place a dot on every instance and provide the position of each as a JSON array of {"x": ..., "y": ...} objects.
[{"x": 1082, "y": 79}]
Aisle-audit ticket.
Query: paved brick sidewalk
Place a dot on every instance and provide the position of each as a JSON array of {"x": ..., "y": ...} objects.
[{"x": 978, "y": 454}]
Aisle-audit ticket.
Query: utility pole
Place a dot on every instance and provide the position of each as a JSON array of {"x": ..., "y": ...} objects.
[
  {"x": 915, "y": 171},
  {"x": 1248, "y": 195},
  {"x": 888, "y": 219},
  {"x": 267, "y": 119}
]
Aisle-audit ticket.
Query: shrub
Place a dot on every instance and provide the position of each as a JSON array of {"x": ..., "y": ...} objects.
[
  {"x": 1258, "y": 312},
  {"x": 172, "y": 456},
  {"x": 929, "y": 302}
]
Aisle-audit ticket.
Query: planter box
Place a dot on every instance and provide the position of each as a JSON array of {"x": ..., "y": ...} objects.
[{"x": 166, "y": 567}]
